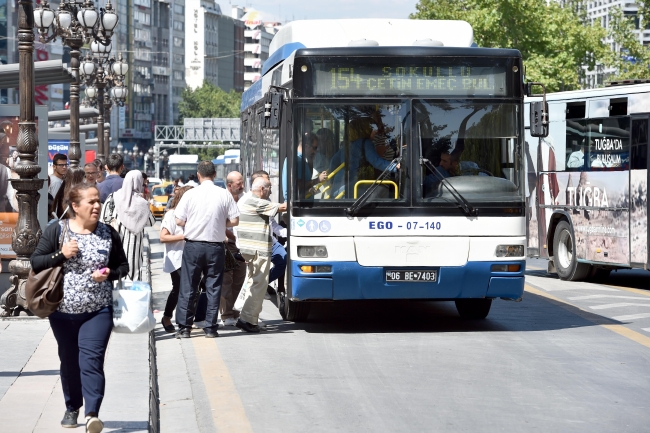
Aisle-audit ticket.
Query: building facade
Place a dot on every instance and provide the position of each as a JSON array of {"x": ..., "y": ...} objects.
[
  {"x": 214, "y": 47},
  {"x": 598, "y": 11}
]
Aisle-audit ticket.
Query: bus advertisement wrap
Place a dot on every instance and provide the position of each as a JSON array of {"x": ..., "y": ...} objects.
[{"x": 598, "y": 205}]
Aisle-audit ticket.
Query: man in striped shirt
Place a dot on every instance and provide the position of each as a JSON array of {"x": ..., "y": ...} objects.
[{"x": 255, "y": 244}]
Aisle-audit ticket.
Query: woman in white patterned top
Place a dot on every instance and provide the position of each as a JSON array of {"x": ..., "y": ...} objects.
[{"x": 92, "y": 256}]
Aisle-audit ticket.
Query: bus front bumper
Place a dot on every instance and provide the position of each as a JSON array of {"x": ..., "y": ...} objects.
[{"x": 351, "y": 281}]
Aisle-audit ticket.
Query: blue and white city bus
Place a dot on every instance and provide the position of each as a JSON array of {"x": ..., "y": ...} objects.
[{"x": 399, "y": 146}]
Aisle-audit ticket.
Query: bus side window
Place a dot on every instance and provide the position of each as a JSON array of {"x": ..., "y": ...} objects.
[{"x": 639, "y": 157}]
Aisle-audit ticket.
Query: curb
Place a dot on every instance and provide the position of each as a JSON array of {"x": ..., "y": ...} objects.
[{"x": 154, "y": 399}]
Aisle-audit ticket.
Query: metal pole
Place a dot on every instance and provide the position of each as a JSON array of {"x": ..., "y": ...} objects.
[
  {"x": 74, "y": 152},
  {"x": 27, "y": 233},
  {"x": 107, "y": 133},
  {"x": 157, "y": 159},
  {"x": 99, "y": 84}
]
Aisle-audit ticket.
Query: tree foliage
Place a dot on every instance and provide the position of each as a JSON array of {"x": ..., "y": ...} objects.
[
  {"x": 554, "y": 41},
  {"x": 634, "y": 58},
  {"x": 208, "y": 101}
]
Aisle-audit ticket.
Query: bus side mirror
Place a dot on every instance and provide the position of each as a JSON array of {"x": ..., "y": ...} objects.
[
  {"x": 538, "y": 112},
  {"x": 272, "y": 110},
  {"x": 539, "y": 119}
]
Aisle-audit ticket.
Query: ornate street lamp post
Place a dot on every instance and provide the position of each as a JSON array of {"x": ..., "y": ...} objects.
[
  {"x": 103, "y": 76},
  {"x": 75, "y": 22},
  {"x": 28, "y": 231}
]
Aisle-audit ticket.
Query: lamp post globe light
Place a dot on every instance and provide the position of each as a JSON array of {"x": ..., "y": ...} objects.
[
  {"x": 104, "y": 78},
  {"x": 76, "y": 22}
]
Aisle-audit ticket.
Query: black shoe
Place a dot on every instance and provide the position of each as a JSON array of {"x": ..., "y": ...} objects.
[
  {"x": 169, "y": 328},
  {"x": 183, "y": 333},
  {"x": 210, "y": 333},
  {"x": 70, "y": 419},
  {"x": 270, "y": 290},
  {"x": 245, "y": 326}
]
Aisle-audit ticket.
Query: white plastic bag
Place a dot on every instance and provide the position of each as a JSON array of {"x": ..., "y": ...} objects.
[
  {"x": 241, "y": 299},
  {"x": 132, "y": 310}
]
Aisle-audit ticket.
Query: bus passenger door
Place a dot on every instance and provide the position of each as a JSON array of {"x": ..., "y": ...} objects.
[{"x": 639, "y": 180}]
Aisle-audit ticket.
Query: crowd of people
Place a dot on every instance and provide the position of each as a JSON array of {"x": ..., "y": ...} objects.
[
  {"x": 98, "y": 214},
  {"x": 206, "y": 223}
]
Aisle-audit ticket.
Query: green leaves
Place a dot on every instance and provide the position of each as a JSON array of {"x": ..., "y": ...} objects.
[
  {"x": 209, "y": 101},
  {"x": 554, "y": 41}
]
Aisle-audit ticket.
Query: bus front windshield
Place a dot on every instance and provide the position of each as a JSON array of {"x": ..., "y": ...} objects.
[
  {"x": 342, "y": 149},
  {"x": 470, "y": 147}
]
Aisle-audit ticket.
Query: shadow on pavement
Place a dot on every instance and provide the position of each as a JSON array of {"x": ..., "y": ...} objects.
[
  {"x": 29, "y": 373},
  {"x": 534, "y": 313}
]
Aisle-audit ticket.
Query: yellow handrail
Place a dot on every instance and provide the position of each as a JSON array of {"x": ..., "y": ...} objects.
[
  {"x": 370, "y": 182},
  {"x": 329, "y": 177}
]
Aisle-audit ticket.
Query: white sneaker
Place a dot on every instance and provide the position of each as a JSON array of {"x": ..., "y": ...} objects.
[
  {"x": 94, "y": 424},
  {"x": 231, "y": 321}
]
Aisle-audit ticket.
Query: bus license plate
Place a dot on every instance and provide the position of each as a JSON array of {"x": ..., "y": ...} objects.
[{"x": 412, "y": 276}]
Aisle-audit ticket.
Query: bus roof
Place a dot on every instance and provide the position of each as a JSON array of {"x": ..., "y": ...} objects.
[
  {"x": 386, "y": 32},
  {"x": 593, "y": 93}
]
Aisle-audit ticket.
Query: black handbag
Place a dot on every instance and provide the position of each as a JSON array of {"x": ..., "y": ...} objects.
[{"x": 44, "y": 291}]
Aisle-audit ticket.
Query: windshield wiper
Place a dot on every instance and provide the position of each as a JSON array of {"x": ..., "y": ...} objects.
[
  {"x": 361, "y": 201},
  {"x": 462, "y": 202}
]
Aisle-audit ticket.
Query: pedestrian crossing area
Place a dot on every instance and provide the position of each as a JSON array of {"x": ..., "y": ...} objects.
[{"x": 629, "y": 307}]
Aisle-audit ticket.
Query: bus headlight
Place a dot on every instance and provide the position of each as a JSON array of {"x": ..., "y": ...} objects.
[
  {"x": 510, "y": 251},
  {"x": 319, "y": 251}
]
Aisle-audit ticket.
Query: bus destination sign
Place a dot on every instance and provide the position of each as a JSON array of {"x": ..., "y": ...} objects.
[{"x": 419, "y": 80}]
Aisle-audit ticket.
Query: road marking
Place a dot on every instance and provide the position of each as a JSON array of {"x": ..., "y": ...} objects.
[
  {"x": 646, "y": 329},
  {"x": 581, "y": 298},
  {"x": 566, "y": 289},
  {"x": 598, "y": 320},
  {"x": 631, "y": 317},
  {"x": 228, "y": 412},
  {"x": 631, "y": 290},
  {"x": 621, "y": 304}
]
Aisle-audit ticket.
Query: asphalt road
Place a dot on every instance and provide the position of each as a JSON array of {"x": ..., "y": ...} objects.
[{"x": 571, "y": 357}]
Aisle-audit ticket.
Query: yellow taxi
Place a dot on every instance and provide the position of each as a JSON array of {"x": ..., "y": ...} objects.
[{"x": 159, "y": 199}]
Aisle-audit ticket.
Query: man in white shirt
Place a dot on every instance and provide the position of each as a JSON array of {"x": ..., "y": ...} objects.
[
  {"x": 60, "y": 167},
  {"x": 204, "y": 212}
]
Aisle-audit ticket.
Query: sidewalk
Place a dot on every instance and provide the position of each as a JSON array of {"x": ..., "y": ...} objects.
[{"x": 31, "y": 398}]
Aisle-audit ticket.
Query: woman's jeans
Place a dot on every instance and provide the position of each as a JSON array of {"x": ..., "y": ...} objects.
[{"x": 82, "y": 340}]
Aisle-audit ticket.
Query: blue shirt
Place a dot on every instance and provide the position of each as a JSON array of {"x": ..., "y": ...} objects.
[
  {"x": 111, "y": 184},
  {"x": 356, "y": 153}
]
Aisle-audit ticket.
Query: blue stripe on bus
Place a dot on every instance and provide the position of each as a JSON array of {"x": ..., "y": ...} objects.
[
  {"x": 279, "y": 55},
  {"x": 252, "y": 95},
  {"x": 349, "y": 280}
]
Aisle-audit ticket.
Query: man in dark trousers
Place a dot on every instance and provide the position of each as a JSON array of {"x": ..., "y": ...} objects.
[
  {"x": 113, "y": 182},
  {"x": 204, "y": 212}
]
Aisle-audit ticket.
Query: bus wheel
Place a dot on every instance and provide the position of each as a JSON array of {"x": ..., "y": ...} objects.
[
  {"x": 292, "y": 311},
  {"x": 473, "y": 308},
  {"x": 564, "y": 255}
]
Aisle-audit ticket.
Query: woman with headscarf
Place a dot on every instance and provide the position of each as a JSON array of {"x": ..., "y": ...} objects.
[{"x": 128, "y": 213}]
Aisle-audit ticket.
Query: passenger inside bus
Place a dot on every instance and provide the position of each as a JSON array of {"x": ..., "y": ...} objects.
[
  {"x": 305, "y": 176},
  {"x": 363, "y": 158},
  {"x": 577, "y": 159},
  {"x": 327, "y": 147}
]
